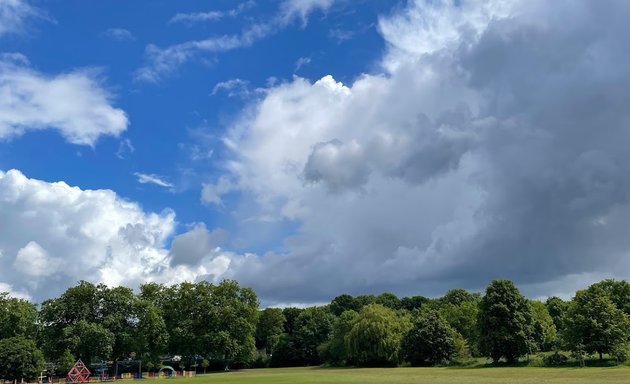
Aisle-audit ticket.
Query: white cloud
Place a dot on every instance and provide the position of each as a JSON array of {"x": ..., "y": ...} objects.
[
  {"x": 14, "y": 14},
  {"x": 163, "y": 62},
  {"x": 120, "y": 34},
  {"x": 144, "y": 178},
  {"x": 53, "y": 235},
  {"x": 74, "y": 103},
  {"x": 302, "y": 61},
  {"x": 212, "y": 193},
  {"x": 125, "y": 147},
  {"x": 233, "y": 88},
  {"x": 33, "y": 260},
  {"x": 491, "y": 146},
  {"x": 199, "y": 17}
]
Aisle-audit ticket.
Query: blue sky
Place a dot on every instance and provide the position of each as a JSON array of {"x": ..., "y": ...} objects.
[
  {"x": 176, "y": 122},
  {"x": 309, "y": 148}
]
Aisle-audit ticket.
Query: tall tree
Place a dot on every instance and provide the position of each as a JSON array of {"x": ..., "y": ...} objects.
[
  {"x": 269, "y": 329},
  {"x": 20, "y": 359},
  {"x": 545, "y": 334},
  {"x": 343, "y": 303},
  {"x": 462, "y": 317},
  {"x": 336, "y": 351},
  {"x": 505, "y": 322},
  {"x": 312, "y": 328},
  {"x": 430, "y": 341},
  {"x": 375, "y": 337},
  {"x": 618, "y": 291},
  {"x": 414, "y": 302},
  {"x": 18, "y": 317},
  {"x": 557, "y": 309},
  {"x": 594, "y": 323}
]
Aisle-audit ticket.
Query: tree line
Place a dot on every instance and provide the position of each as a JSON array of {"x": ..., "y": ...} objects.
[{"x": 203, "y": 325}]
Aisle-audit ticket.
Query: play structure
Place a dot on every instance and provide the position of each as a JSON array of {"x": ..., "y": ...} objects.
[
  {"x": 134, "y": 374},
  {"x": 79, "y": 373}
]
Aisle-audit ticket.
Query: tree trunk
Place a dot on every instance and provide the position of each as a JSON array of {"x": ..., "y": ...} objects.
[{"x": 601, "y": 357}]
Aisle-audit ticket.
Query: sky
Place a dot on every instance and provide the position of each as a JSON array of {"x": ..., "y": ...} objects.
[{"x": 308, "y": 148}]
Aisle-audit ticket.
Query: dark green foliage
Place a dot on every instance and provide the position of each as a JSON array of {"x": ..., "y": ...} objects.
[
  {"x": 505, "y": 322},
  {"x": 20, "y": 359},
  {"x": 389, "y": 300},
  {"x": 65, "y": 362},
  {"x": 343, "y": 303},
  {"x": 376, "y": 336},
  {"x": 88, "y": 340},
  {"x": 17, "y": 317},
  {"x": 430, "y": 341},
  {"x": 336, "y": 351},
  {"x": 618, "y": 291},
  {"x": 364, "y": 300},
  {"x": 269, "y": 329},
  {"x": 459, "y": 296},
  {"x": 290, "y": 315},
  {"x": 463, "y": 318},
  {"x": 413, "y": 302},
  {"x": 312, "y": 328},
  {"x": 594, "y": 323},
  {"x": 555, "y": 359},
  {"x": 544, "y": 329},
  {"x": 557, "y": 309}
]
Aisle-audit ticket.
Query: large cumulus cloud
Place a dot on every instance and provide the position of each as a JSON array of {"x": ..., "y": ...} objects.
[
  {"x": 492, "y": 145},
  {"x": 53, "y": 235}
]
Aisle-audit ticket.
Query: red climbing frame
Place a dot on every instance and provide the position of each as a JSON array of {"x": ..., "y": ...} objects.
[{"x": 79, "y": 373}]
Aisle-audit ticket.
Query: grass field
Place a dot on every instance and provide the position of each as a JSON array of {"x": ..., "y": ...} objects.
[{"x": 416, "y": 375}]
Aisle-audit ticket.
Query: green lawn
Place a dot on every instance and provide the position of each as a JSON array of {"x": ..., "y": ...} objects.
[{"x": 416, "y": 375}]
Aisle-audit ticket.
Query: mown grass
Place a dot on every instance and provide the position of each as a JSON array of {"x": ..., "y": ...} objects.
[{"x": 520, "y": 375}]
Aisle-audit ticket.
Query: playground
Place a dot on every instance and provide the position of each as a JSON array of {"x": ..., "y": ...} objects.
[{"x": 317, "y": 375}]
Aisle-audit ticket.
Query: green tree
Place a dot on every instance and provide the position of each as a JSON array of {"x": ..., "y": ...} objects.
[
  {"x": 458, "y": 296},
  {"x": 430, "y": 341},
  {"x": 545, "y": 334},
  {"x": 18, "y": 317},
  {"x": 151, "y": 335},
  {"x": 20, "y": 359},
  {"x": 312, "y": 328},
  {"x": 290, "y": 316},
  {"x": 205, "y": 364},
  {"x": 557, "y": 309},
  {"x": 269, "y": 329},
  {"x": 375, "y": 337},
  {"x": 505, "y": 322},
  {"x": 343, "y": 303},
  {"x": 64, "y": 363},
  {"x": 389, "y": 300},
  {"x": 335, "y": 351},
  {"x": 88, "y": 340},
  {"x": 414, "y": 302},
  {"x": 462, "y": 318},
  {"x": 618, "y": 291},
  {"x": 594, "y": 323}
]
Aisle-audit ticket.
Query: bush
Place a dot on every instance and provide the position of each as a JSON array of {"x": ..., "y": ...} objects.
[
  {"x": 536, "y": 361},
  {"x": 555, "y": 359},
  {"x": 621, "y": 353}
]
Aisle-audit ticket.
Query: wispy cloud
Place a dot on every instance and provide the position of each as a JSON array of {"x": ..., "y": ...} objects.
[
  {"x": 124, "y": 148},
  {"x": 200, "y": 17},
  {"x": 302, "y": 61},
  {"x": 233, "y": 88},
  {"x": 163, "y": 62},
  {"x": 120, "y": 34},
  {"x": 144, "y": 178},
  {"x": 14, "y": 14}
]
